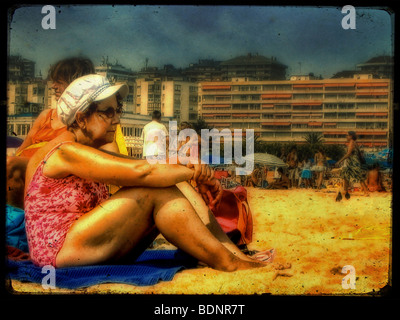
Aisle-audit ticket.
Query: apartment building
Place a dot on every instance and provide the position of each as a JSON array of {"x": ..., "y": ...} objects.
[
  {"x": 20, "y": 69},
  {"x": 253, "y": 66},
  {"x": 116, "y": 73},
  {"x": 285, "y": 111},
  {"x": 381, "y": 67},
  {"x": 173, "y": 98},
  {"x": 24, "y": 103}
]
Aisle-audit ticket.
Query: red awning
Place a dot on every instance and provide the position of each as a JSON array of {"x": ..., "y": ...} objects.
[
  {"x": 239, "y": 134},
  {"x": 381, "y": 113},
  {"x": 379, "y": 133},
  {"x": 276, "y": 123},
  {"x": 371, "y": 133},
  {"x": 335, "y": 142},
  {"x": 365, "y": 114},
  {"x": 267, "y": 106},
  {"x": 337, "y": 132},
  {"x": 379, "y": 84},
  {"x": 306, "y": 104},
  {"x": 366, "y": 144},
  {"x": 209, "y": 115},
  {"x": 275, "y": 96},
  {"x": 330, "y": 123},
  {"x": 215, "y": 87},
  {"x": 371, "y": 93},
  {"x": 239, "y": 115},
  {"x": 339, "y": 84},
  {"x": 317, "y": 124},
  {"x": 216, "y": 105},
  {"x": 308, "y": 85}
]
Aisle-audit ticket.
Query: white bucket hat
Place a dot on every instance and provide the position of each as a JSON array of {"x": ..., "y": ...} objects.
[{"x": 82, "y": 92}]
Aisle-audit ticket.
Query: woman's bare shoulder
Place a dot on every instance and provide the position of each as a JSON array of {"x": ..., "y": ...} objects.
[{"x": 42, "y": 152}]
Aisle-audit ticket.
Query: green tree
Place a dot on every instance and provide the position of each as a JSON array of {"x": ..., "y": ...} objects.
[
  {"x": 200, "y": 124},
  {"x": 314, "y": 138}
]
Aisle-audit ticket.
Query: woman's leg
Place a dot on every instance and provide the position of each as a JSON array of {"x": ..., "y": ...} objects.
[
  {"x": 319, "y": 181},
  {"x": 118, "y": 225},
  {"x": 207, "y": 217}
]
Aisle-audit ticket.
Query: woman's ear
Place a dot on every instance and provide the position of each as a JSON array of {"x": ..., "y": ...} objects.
[{"x": 81, "y": 120}]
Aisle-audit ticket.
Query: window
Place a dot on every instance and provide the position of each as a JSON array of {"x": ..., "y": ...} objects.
[
  {"x": 268, "y": 134},
  {"x": 299, "y": 126},
  {"x": 346, "y": 115},
  {"x": 330, "y": 115},
  {"x": 346, "y": 125}
]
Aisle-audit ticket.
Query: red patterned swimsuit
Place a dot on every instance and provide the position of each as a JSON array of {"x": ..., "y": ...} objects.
[{"x": 52, "y": 206}]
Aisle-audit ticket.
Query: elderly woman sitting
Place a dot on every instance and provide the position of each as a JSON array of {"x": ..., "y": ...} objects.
[{"x": 70, "y": 218}]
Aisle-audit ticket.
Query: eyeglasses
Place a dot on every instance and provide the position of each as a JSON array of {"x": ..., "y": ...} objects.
[{"x": 110, "y": 112}]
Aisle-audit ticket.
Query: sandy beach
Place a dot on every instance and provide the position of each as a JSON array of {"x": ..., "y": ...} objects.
[{"x": 309, "y": 230}]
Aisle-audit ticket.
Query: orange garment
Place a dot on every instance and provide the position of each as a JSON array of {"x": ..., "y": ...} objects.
[{"x": 45, "y": 134}]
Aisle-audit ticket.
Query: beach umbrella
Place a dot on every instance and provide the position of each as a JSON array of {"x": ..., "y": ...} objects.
[
  {"x": 267, "y": 159},
  {"x": 14, "y": 142}
]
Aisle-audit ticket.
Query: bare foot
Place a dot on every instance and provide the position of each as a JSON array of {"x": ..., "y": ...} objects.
[{"x": 244, "y": 264}]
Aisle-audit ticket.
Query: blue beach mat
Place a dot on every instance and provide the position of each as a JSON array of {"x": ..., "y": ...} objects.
[{"x": 150, "y": 268}]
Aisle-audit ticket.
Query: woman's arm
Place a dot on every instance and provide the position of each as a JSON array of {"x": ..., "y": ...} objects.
[
  {"x": 93, "y": 164},
  {"x": 349, "y": 151}
]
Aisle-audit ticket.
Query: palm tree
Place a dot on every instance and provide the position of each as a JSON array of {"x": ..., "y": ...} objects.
[
  {"x": 314, "y": 138},
  {"x": 200, "y": 124}
]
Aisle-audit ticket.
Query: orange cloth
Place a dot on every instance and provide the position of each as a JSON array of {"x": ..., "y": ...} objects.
[{"x": 44, "y": 134}]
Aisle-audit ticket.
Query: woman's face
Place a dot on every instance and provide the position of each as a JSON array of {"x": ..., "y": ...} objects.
[
  {"x": 59, "y": 87},
  {"x": 101, "y": 125}
]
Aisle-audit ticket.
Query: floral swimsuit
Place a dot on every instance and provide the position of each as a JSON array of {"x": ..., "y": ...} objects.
[{"x": 52, "y": 206}]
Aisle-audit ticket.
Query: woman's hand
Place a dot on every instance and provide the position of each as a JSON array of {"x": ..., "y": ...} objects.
[
  {"x": 209, "y": 187},
  {"x": 202, "y": 172},
  {"x": 211, "y": 192}
]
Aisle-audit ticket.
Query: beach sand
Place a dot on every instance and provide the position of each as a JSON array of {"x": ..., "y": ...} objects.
[{"x": 309, "y": 230}]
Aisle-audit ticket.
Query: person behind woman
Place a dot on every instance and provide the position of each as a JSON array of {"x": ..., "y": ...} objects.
[
  {"x": 320, "y": 166},
  {"x": 46, "y": 127},
  {"x": 353, "y": 169},
  {"x": 282, "y": 183},
  {"x": 306, "y": 173},
  {"x": 70, "y": 218}
]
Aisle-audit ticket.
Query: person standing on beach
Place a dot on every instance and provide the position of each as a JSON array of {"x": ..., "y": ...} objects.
[
  {"x": 353, "y": 168},
  {"x": 150, "y": 135},
  {"x": 306, "y": 174},
  {"x": 320, "y": 166},
  {"x": 292, "y": 161}
]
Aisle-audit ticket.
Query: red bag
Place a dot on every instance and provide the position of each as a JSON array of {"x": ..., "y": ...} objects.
[{"x": 234, "y": 215}]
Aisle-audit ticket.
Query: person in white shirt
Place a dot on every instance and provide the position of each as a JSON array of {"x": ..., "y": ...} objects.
[{"x": 152, "y": 132}]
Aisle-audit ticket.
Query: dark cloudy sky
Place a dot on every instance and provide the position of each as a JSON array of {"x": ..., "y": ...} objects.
[{"x": 306, "y": 39}]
